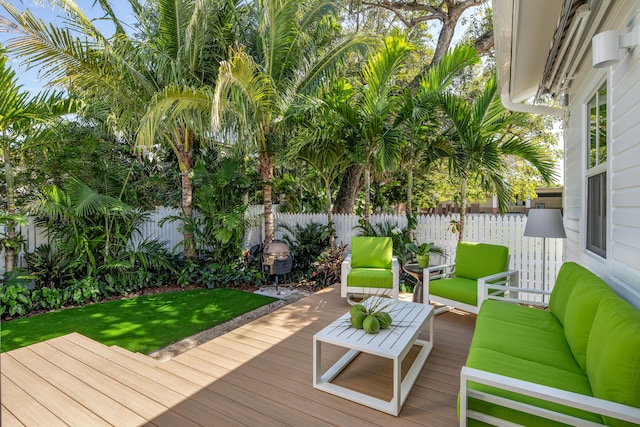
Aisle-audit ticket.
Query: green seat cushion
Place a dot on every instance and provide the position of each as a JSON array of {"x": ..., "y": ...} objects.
[
  {"x": 542, "y": 320},
  {"x": 580, "y": 311},
  {"x": 475, "y": 260},
  {"x": 370, "y": 278},
  {"x": 374, "y": 252},
  {"x": 545, "y": 345},
  {"x": 456, "y": 288},
  {"x": 613, "y": 354},
  {"x": 527, "y": 370},
  {"x": 568, "y": 276}
]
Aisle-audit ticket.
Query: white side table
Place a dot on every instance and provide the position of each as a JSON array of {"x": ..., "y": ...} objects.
[{"x": 409, "y": 319}]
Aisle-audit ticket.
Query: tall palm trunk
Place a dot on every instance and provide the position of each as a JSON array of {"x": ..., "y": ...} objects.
[
  {"x": 367, "y": 195},
  {"x": 9, "y": 250},
  {"x": 410, "y": 195},
  {"x": 185, "y": 158},
  {"x": 332, "y": 236},
  {"x": 266, "y": 174},
  {"x": 463, "y": 207},
  {"x": 349, "y": 188}
]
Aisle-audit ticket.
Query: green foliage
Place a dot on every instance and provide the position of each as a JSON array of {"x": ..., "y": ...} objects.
[
  {"x": 423, "y": 249},
  {"x": 48, "y": 298},
  {"x": 306, "y": 243},
  {"x": 217, "y": 275},
  {"x": 15, "y": 300},
  {"x": 82, "y": 291},
  {"x": 52, "y": 269},
  {"x": 328, "y": 267}
]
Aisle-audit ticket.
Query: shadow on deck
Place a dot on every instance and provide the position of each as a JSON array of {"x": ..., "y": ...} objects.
[{"x": 259, "y": 374}]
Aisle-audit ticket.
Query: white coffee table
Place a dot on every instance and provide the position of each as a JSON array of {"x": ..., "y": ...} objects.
[{"x": 409, "y": 319}]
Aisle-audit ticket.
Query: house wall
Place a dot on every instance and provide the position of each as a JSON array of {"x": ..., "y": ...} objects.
[{"x": 622, "y": 266}]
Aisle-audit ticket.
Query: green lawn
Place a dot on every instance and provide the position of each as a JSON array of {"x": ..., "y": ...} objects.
[{"x": 141, "y": 324}]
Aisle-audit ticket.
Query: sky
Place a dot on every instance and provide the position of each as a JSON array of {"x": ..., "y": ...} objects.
[{"x": 29, "y": 78}]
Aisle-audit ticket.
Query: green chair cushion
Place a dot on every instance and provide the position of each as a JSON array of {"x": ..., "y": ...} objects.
[
  {"x": 580, "y": 311},
  {"x": 373, "y": 252},
  {"x": 456, "y": 288},
  {"x": 613, "y": 354},
  {"x": 475, "y": 260},
  {"x": 568, "y": 276},
  {"x": 370, "y": 278},
  {"x": 527, "y": 370}
]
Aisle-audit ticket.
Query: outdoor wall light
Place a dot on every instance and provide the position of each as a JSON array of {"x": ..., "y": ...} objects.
[{"x": 606, "y": 46}]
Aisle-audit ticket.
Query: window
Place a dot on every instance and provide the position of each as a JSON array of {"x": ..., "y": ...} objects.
[{"x": 597, "y": 174}]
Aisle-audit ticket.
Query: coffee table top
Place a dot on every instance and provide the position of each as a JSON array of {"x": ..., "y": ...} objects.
[{"x": 408, "y": 319}]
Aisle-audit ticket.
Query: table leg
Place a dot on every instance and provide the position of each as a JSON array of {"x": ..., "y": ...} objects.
[{"x": 417, "y": 292}]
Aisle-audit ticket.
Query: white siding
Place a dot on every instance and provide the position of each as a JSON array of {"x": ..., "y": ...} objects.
[{"x": 622, "y": 266}]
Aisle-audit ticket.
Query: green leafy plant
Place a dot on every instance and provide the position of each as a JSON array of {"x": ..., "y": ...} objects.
[
  {"x": 306, "y": 243},
  {"x": 15, "y": 300},
  {"x": 328, "y": 267},
  {"x": 423, "y": 249},
  {"x": 47, "y": 298},
  {"x": 82, "y": 291}
]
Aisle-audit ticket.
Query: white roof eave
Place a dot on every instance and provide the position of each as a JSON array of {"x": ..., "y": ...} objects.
[{"x": 523, "y": 31}]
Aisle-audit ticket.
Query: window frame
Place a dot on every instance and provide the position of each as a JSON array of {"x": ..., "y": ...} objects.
[{"x": 597, "y": 211}]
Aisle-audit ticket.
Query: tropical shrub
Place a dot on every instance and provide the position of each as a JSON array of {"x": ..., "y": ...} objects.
[
  {"x": 214, "y": 274},
  {"x": 328, "y": 267},
  {"x": 306, "y": 243},
  {"x": 15, "y": 297}
]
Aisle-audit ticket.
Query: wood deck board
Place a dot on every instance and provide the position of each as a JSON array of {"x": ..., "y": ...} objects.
[{"x": 259, "y": 374}]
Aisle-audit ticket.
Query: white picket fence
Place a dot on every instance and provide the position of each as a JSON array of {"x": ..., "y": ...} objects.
[{"x": 525, "y": 252}]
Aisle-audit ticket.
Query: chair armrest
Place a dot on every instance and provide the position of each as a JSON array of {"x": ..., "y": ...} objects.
[
  {"x": 551, "y": 394},
  {"x": 446, "y": 270},
  {"x": 344, "y": 272},
  {"x": 395, "y": 269}
]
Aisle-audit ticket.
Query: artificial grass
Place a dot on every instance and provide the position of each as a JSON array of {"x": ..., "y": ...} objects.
[{"x": 141, "y": 324}]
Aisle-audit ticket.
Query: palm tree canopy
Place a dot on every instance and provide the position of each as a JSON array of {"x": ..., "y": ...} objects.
[{"x": 481, "y": 138}]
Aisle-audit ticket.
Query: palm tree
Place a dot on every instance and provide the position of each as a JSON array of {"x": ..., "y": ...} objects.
[
  {"x": 367, "y": 115},
  {"x": 420, "y": 123},
  {"x": 130, "y": 83},
  {"x": 19, "y": 119},
  {"x": 482, "y": 137},
  {"x": 257, "y": 90}
]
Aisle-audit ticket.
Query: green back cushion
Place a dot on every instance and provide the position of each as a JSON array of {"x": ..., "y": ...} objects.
[
  {"x": 568, "y": 276},
  {"x": 374, "y": 252},
  {"x": 475, "y": 260},
  {"x": 613, "y": 354},
  {"x": 581, "y": 307}
]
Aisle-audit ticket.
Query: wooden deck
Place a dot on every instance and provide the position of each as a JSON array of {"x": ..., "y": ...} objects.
[{"x": 257, "y": 375}]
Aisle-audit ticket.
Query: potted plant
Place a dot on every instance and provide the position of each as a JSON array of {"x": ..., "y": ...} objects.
[{"x": 423, "y": 252}]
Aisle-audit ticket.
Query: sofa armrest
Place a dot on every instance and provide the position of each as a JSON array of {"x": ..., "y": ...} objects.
[
  {"x": 555, "y": 395},
  {"x": 488, "y": 286},
  {"x": 517, "y": 290}
]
